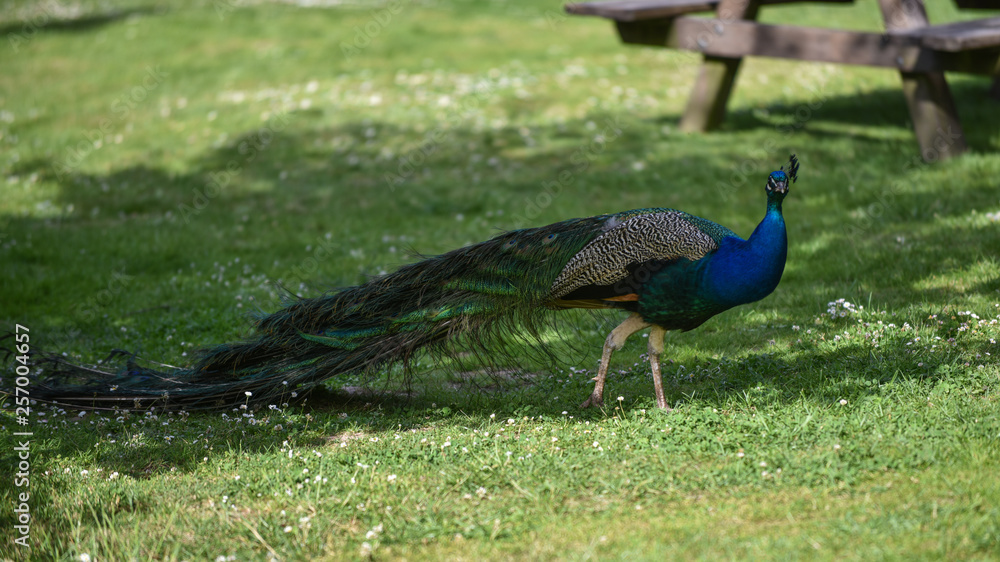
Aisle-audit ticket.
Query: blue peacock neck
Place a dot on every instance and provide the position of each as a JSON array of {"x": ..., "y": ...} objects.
[{"x": 744, "y": 271}]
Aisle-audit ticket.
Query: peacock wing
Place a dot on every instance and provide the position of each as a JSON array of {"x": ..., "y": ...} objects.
[{"x": 629, "y": 242}]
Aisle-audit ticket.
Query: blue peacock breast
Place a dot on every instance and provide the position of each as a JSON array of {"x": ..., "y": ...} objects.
[{"x": 679, "y": 297}]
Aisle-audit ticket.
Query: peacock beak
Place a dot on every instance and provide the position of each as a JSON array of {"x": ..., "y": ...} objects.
[{"x": 775, "y": 185}]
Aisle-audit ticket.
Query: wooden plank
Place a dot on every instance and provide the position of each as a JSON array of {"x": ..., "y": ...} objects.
[
  {"x": 706, "y": 107},
  {"x": 934, "y": 114},
  {"x": 958, "y": 36},
  {"x": 734, "y": 39},
  {"x": 640, "y": 10},
  {"x": 740, "y": 38},
  {"x": 932, "y": 107}
]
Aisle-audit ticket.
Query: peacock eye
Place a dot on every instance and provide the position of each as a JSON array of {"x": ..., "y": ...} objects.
[
  {"x": 510, "y": 244},
  {"x": 549, "y": 239}
]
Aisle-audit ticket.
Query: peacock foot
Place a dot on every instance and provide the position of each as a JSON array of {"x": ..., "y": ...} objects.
[{"x": 594, "y": 400}]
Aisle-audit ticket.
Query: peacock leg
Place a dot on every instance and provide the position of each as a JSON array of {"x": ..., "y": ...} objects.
[
  {"x": 616, "y": 339},
  {"x": 655, "y": 349}
]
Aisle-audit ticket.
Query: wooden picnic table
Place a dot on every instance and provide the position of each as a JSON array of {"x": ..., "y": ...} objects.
[{"x": 919, "y": 51}]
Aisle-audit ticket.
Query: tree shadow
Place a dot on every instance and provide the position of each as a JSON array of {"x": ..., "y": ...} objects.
[
  {"x": 884, "y": 108},
  {"x": 47, "y": 22}
]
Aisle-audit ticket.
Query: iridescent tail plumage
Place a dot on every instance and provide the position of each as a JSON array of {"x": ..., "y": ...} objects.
[{"x": 476, "y": 299}]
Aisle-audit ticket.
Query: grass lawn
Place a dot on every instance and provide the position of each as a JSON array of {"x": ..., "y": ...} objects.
[{"x": 166, "y": 165}]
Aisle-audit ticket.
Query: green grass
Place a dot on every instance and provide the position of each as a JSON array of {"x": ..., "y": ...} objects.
[{"x": 797, "y": 433}]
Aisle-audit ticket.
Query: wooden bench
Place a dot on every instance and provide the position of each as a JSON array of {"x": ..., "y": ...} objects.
[{"x": 919, "y": 51}]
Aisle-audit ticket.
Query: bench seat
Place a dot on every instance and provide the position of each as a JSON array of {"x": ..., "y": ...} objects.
[
  {"x": 959, "y": 36},
  {"x": 642, "y": 10}
]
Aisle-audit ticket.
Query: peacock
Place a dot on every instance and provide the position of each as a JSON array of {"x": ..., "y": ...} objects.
[{"x": 669, "y": 270}]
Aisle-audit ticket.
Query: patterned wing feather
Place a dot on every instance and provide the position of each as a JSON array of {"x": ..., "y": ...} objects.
[{"x": 658, "y": 234}]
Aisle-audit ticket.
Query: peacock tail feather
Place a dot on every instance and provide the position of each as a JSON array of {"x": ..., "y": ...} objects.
[{"x": 475, "y": 298}]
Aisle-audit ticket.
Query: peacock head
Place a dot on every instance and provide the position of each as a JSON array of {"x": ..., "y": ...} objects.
[{"x": 777, "y": 182}]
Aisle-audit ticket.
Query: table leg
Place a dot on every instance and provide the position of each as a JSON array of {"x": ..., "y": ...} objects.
[
  {"x": 932, "y": 107},
  {"x": 706, "y": 107},
  {"x": 934, "y": 115}
]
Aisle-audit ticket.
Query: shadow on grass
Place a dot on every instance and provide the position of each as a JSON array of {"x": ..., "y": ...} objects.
[
  {"x": 867, "y": 202},
  {"x": 45, "y": 21},
  {"x": 977, "y": 111},
  {"x": 822, "y": 378}
]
